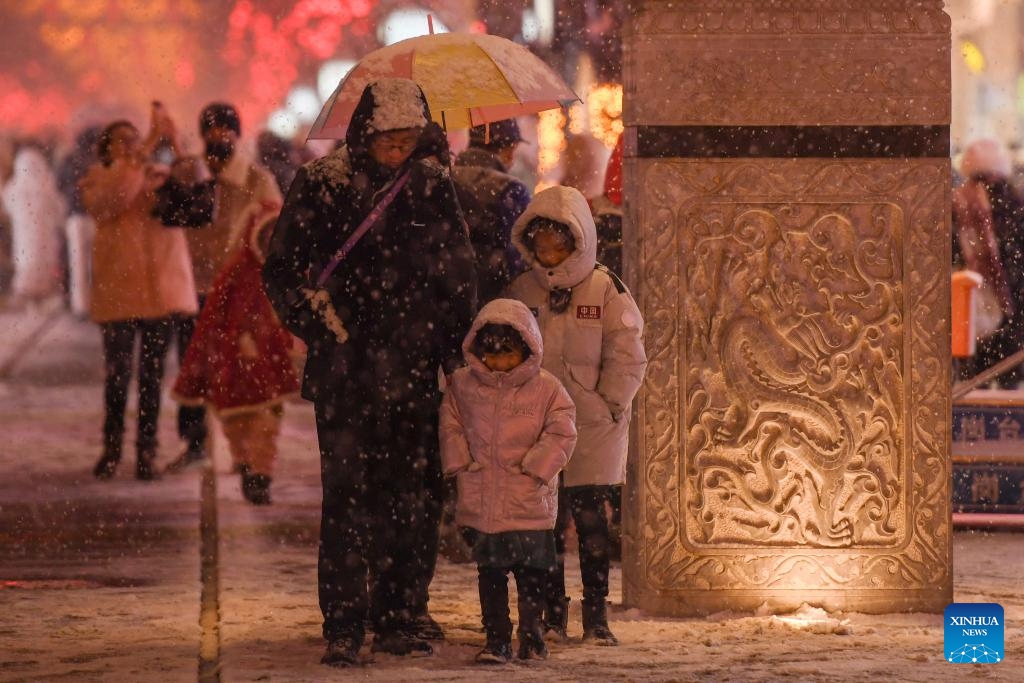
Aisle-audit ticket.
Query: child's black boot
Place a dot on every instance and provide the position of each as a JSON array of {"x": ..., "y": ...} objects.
[
  {"x": 595, "y": 623},
  {"x": 531, "y": 630},
  {"x": 495, "y": 652},
  {"x": 556, "y": 621}
]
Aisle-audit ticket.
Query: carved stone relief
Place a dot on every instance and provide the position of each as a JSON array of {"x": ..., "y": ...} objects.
[
  {"x": 792, "y": 436},
  {"x": 833, "y": 62},
  {"x": 796, "y": 417}
]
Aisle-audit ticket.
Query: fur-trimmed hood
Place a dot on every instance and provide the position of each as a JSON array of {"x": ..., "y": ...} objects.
[
  {"x": 566, "y": 205},
  {"x": 513, "y": 313}
]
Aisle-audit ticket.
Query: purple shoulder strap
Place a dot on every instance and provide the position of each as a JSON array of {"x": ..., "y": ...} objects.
[{"x": 367, "y": 223}]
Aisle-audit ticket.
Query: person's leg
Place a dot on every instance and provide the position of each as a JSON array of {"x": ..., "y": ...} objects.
[
  {"x": 191, "y": 419},
  {"x": 494, "y": 614},
  {"x": 255, "y": 447},
  {"x": 589, "y": 514},
  {"x": 118, "y": 347},
  {"x": 556, "y": 614},
  {"x": 413, "y": 472},
  {"x": 344, "y": 532},
  {"x": 236, "y": 428},
  {"x": 156, "y": 336},
  {"x": 530, "y": 586}
]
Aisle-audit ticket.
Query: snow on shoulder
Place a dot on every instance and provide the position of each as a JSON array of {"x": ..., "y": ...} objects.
[
  {"x": 397, "y": 104},
  {"x": 334, "y": 168}
]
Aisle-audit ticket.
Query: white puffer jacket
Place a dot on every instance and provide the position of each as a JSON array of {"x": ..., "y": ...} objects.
[
  {"x": 595, "y": 346},
  {"x": 503, "y": 431}
]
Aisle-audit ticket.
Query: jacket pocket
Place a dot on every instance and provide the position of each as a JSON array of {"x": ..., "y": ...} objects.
[
  {"x": 526, "y": 498},
  {"x": 590, "y": 407},
  {"x": 470, "y": 493}
]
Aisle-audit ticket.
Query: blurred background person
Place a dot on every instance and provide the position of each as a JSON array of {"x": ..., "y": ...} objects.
[
  {"x": 141, "y": 277},
  {"x": 239, "y": 184},
  {"x": 279, "y": 156},
  {"x": 492, "y": 200},
  {"x": 988, "y": 215},
  {"x": 79, "y": 229},
  {"x": 37, "y": 210}
]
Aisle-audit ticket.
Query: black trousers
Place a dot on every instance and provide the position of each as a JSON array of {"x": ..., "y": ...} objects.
[
  {"x": 119, "y": 338},
  {"x": 191, "y": 419},
  {"x": 494, "y": 601},
  {"x": 586, "y": 504},
  {"x": 382, "y": 490}
]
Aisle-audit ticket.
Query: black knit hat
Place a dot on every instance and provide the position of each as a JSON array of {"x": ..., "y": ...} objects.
[
  {"x": 219, "y": 115},
  {"x": 503, "y": 133}
]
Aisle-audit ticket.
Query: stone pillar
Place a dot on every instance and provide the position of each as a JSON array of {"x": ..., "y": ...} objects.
[{"x": 788, "y": 242}]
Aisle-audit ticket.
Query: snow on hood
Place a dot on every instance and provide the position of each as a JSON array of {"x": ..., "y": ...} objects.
[
  {"x": 565, "y": 205},
  {"x": 386, "y": 104},
  {"x": 516, "y": 314}
]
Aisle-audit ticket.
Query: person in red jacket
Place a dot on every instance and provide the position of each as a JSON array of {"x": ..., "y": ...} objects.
[{"x": 238, "y": 361}]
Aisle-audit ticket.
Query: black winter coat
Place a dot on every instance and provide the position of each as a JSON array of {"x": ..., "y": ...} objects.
[{"x": 405, "y": 293}]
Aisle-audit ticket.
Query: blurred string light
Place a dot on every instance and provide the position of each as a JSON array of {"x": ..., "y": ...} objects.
[
  {"x": 973, "y": 56},
  {"x": 284, "y": 124},
  {"x": 544, "y": 15},
  {"x": 577, "y": 119},
  {"x": 304, "y": 103},
  {"x": 531, "y": 26},
  {"x": 270, "y": 46},
  {"x": 330, "y": 75},
  {"x": 408, "y": 22},
  {"x": 550, "y": 140},
  {"x": 604, "y": 106}
]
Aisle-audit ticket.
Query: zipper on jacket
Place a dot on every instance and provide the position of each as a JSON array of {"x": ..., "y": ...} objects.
[{"x": 494, "y": 456}]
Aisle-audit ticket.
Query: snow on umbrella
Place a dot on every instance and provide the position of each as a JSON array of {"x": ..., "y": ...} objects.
[{"x": 468, "y": 79}]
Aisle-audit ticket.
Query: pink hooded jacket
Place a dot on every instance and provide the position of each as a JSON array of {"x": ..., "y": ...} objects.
[{"x": 505, "y": 432}]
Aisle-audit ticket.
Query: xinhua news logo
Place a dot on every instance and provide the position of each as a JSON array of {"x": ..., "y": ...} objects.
[{"x": 974, "y": 633}]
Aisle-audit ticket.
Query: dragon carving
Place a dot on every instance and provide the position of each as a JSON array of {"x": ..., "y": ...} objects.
[{"x": 794, "y": 394}]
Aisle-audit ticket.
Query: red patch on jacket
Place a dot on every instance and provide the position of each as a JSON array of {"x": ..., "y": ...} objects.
[{"x": 588, "y": 312}]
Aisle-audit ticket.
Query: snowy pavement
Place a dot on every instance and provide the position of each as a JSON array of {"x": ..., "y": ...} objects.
[{"x": 99, "y": 581}]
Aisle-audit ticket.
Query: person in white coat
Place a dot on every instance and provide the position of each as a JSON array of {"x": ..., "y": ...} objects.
[
  {"x": 593, "y": 342},
  {"x": 37, "y": 211}
]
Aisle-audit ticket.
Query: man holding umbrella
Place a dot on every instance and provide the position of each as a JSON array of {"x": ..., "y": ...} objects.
[{"x": 370, "y": 264}]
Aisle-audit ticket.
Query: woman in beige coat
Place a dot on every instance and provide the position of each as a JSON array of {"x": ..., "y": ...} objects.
[
  {"x": 593, "y": 343},
  {"x": 142, "y": 276},
  {"x": 507, "y": 429}
]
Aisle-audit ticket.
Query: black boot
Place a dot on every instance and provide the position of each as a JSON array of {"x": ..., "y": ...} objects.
[
  {"x": 342, "y": 651},
  {"x": 107, "y": 464},
  {"x": 495, "y": 652},
  {"x": 556, "y": 621},
  {"x": 424, "y": 627},
  {"x": 595, "y": 623},
  {"x": 531, "y": 643},
  {"x": 145, "y": 468},
  {"x": 256, "y": 488},
  {"x": 531, "y": 623},
  {"x": 396, "y": 642}
]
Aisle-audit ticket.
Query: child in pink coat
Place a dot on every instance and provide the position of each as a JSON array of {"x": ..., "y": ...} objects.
[{"x": 507, "y": 429}]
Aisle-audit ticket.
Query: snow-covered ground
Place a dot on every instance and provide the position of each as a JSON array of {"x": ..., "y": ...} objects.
[{"x": 99, "y": 581}]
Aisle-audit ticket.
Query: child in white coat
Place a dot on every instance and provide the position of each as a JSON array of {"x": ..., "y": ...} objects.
[
  {"x": 593, "y": 340},
  {"x": 507, "y": 429}
]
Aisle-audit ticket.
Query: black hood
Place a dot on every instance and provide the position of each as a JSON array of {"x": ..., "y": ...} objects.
[{"x": 375, "y": 115}]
